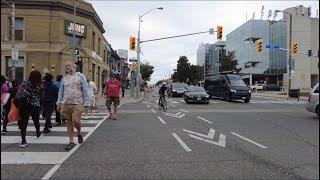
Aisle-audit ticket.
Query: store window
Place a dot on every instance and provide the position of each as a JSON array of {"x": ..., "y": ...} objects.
[{"x": 19, "y": 68}]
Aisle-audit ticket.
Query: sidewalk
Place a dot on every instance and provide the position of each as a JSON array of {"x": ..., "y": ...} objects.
[
  {"x": 124, "y": 100},
  {"x": 276, "y": 95}
]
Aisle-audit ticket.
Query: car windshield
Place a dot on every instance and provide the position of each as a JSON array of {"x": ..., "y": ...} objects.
[
  {"x": 179, "y": 86},
  {"x": 196, "y": 89},
  {"x": 236, "y": 81}
]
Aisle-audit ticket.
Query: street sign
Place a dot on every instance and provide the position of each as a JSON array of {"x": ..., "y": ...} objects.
[
  {"x": 276, "y": 46},
  {"x": 272, "y": 46},
  {"x": 211, "y": 31},
  {"x": 133, "y": 67},
  {"x": 76, "y": 51},
  {"x": 15, "y": 54},
  {"x": 268, "y": 46}
]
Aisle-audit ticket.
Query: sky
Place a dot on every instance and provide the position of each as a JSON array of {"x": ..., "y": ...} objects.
[{"x": 120, "y": 20}]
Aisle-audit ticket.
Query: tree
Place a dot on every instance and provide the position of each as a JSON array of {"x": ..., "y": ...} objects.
[
  {"x": 146, "y": 71},
  {"x": 196, "y": 74},
  {"x": 228, "y": 62},
  {"x": 183, "y": 70}
]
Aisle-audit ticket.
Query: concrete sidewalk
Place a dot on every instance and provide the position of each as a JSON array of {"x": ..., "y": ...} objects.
[
  {"x": 123, "y": 100},
  {"x": 276, "y": 95}
]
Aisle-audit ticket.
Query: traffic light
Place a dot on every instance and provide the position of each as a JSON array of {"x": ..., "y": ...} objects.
[
  {"x": 294, "y": 48},
  {"x": 310, "y": 53},
  {"x": 219, "y": 32},
  {"x": 132, "y": 44},
  {"x": 259, "y": 46}
]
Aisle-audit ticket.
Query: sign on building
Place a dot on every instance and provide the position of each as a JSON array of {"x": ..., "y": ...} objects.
[
  {"x": 15, "y": 54},
  {"x": 80, "y": 29}
]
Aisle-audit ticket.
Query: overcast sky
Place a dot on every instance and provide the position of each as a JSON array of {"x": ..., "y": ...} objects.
[{"x": 120, "y": 20}]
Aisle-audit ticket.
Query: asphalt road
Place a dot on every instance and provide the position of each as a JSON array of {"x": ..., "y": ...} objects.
[{"x": 266, "y": 139}]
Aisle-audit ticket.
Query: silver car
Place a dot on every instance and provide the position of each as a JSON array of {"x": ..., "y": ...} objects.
[{"x": 313, "y": 100}]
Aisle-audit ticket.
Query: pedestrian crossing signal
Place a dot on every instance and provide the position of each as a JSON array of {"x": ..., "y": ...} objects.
[
  {"x": 294, "y": 48},
  {"x": 259, "y": 46},
  {"x": 132, "y": 43},
  {"x": 219, "y": 32}
]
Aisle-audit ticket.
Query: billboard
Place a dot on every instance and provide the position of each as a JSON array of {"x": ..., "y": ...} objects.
[{"x": 123, "y": 54}]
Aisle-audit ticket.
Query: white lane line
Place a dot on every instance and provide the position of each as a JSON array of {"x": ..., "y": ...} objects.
[
  {"x": 172, "y": 105},
  {"x": 163, "y": 122},
  {"x": 31, "y": 157},
  {"x": 82, "y": 122},
  {"x": 185, "y": 147},
  {"x": 153, "y": 111},
  {"x": 148, "y": 105},
  {"x": 57, "y": 166},
  {"x": 204, "y": 119},
  {"x": 264, "y": 147},
  {"x": 184, "y": 110}
]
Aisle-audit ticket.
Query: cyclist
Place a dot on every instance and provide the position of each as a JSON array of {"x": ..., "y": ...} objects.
[{"x": 162, "y": 93}]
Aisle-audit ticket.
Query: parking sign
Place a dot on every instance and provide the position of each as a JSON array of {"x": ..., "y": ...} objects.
[{"x": 14, "y": 54}]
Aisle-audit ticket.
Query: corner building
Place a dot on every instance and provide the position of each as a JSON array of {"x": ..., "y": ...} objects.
[{"x": 43, "y": 37}]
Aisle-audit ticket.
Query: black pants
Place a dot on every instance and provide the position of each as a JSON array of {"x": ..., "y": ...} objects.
[
  {"x": 46, "y": 114},
  {"x": 5, "y": 114},
  {"x": 23, "y": 123},
  {"x": 123, "y": 92}
]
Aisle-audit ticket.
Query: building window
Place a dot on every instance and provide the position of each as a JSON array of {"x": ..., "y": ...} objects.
[
  {"x": 19, "y": 28},
  {"x": 99, "y": 46},
  {"x": 93, "y": 40},
  {"x": 93, "y": 71},
  {"x": 104, "y": 55}
]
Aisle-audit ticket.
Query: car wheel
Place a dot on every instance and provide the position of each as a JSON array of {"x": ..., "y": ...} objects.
[
  {"x": 207, "y": 102},
  {"x": 247, "y": 100}
]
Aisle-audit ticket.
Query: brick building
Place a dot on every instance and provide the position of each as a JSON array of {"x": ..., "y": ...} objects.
[{"x": 43, "y": 37}]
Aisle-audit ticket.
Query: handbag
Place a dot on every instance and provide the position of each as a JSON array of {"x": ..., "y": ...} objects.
[
  {"x": 14, "y": 113},
  {"x": 4, "y": 98}
]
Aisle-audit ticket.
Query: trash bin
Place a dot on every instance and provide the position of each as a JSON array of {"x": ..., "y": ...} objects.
[{"x": 295, "y": 93}]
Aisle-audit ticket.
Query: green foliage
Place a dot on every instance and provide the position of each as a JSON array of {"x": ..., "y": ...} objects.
[
  {"x": 186, "y": 71},
  {"x": 228, "y": 62},
  {"x": 146, "y": 71}
]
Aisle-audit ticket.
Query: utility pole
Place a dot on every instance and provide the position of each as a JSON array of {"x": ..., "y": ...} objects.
[
  {"x": 289, "y": 65},
  {"x": 13, "y": 16},
  {"x": 74, "y": 34}
]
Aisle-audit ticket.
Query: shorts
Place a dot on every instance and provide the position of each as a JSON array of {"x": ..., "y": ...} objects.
[
  {"x": 115, "y": 100},
  {"x": 72, "y": 112}
]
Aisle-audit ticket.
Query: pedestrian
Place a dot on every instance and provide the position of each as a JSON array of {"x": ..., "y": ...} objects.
[
  {"x": 73, "y": 97},
  {"x": 48, "y": 101},
  {"x": 31, "y": 105},
  {"x": 112, "y": 96},
  {"x": 58, "y": 116},
  {"x": 123, "y": 87},
  {"x": 12, "y": 91},
  {"x": 4, "y": 97},
  {"x": 93, "y": 91}
]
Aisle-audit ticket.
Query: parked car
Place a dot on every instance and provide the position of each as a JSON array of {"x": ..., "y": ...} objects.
[
  {"x": 313, "y": 100},
  {"x": 227, "y": 87},
  {"x": 196, "y": 94},
  {"x": 177, "y": 89},
  {"x": 271, "y": 87},
  {"x": 256, "y": 87}
]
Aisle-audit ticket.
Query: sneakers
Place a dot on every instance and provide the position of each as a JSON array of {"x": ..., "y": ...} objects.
[
  {"x": 69, "y": 146},
  {"x": 58, "y": 124},
  {"x": 46, "y": 131},
  {"x": 23, "y": 145},
  {"x": 38, "y": 134},
  {"x": 80, "y": 139},
  {"x": 4, "y": 131}
]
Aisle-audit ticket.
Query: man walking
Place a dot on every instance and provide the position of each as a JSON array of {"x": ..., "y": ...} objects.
[
  {"x": 73, "y": 97},
  {"x": 112, "y": 96}
]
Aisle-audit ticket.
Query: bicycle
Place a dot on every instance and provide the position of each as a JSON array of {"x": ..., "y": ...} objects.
[{"x": 163, "y": 103}]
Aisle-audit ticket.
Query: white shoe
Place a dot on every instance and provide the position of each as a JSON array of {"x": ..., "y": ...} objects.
[
  {"x": 23, "y": 145},
  {"x": 86, "y": 117}
]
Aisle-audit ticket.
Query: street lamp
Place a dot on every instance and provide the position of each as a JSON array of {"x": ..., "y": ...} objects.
[
  {"x": 138, "y": 50},
  {"x": 290, "y": 40}
]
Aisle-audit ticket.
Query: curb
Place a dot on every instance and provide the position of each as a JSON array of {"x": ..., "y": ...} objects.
[{"x": 264, "y": 95}]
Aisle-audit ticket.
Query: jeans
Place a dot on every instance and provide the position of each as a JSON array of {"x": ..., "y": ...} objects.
[
  {"x": 23, "y": 123},
  {"x": 5, "y": 113}
]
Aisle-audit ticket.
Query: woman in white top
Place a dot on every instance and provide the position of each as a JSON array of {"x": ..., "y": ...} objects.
[{"x": 93, "y": 91}]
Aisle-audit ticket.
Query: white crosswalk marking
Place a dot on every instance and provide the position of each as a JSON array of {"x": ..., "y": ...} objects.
[{"x": 40, "y": 153}]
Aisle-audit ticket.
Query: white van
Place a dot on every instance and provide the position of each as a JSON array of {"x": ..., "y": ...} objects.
[{"x": 313, "y": 100}]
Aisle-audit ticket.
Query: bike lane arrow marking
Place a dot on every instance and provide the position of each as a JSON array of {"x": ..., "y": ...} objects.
[{"x": 221, "y": 142}]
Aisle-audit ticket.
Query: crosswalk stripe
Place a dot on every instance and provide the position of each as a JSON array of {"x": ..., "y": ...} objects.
[
  {"x": 82, "y": 121},
  {"x": 31, "y": 157},
  {"x": 56, "y": 129},
  {"x": 35, "y": 140}
]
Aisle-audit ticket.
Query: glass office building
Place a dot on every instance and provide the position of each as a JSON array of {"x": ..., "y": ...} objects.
[{"x": 270, "y": 63}]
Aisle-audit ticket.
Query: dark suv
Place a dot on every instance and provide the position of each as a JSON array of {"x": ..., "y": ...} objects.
[
  {"x": 177, "y": 89},
  {"x": 227, "y": 87}
]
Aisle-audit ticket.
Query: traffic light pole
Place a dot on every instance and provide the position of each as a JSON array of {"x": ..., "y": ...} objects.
[
  {"x": 138, "y": 63},
  {"x": 289, "y": 63}
]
